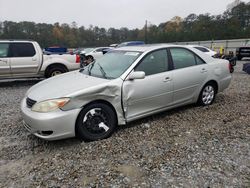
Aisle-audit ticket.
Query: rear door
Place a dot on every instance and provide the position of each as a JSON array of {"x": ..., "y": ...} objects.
[
  {"x": 189, "y": 73},
  {"x": 23, "y": 59},
  {"x": 4, "y": 60}
]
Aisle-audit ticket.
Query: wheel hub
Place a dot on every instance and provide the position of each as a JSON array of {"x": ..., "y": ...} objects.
[
  {"x": 96, "y": 121},
  {"x": 208, "y": 95},
  {"x": 56, "y": 73}
]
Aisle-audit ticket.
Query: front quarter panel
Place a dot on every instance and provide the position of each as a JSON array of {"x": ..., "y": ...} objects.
[{"x": 109, "y": 92}]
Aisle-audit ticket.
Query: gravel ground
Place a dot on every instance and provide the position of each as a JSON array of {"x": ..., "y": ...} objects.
[{"x": 186, "y": 147}]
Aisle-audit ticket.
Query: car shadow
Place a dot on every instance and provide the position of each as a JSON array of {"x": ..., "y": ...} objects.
[
  {"x": 21, "y": 82},
  {"x": 51, "y": 145},
  {"x": 157, "y": 116}
]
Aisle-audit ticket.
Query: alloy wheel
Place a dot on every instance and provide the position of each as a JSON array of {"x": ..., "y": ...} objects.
[{"x": 208, "y": 95}]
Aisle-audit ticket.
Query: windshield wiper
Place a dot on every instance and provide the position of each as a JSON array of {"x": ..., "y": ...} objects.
[
  {"x": 81, "y": 69},
  {"x": 102, "y": 71},
  {"x": 90, "y": 67}
]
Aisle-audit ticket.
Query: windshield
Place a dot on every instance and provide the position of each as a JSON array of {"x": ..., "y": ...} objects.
[{"x": 112, "y": 64}]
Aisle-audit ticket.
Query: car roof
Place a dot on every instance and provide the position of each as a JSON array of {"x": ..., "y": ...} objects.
[
  {"x": 147, "y": 47},
  {"x": 16, "y": 40},
  {"x": 151, "y": 47}
]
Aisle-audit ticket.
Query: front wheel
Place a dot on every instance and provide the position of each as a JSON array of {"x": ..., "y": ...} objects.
[
  {"x": 207, "y": 95},
  {"x": 95, "y": 122}
]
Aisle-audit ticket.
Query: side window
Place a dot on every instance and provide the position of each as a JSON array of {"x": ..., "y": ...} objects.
[
  {"x": 22, "y": 50},
  {"x": 153, "y": 63},
  {"x": 182, "y": 58},
  {"x": 4, "y": 48},
  {"x": 100, "y": 49},
  {"x": 199, "y": 61}
]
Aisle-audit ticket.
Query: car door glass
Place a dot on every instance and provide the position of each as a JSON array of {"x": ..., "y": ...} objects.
[
  {"x": 22, "y": 50},
  {"x": 153, "y": 63},
  {"x": 4, "y": 47},
  {"x": 182, "y": 58},
  {"x": 199, "y": 61},
  {"x": 99, "y": 49}
]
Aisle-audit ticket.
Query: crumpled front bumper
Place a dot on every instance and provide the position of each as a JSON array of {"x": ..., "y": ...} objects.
[{"x": 52, "y": 125}]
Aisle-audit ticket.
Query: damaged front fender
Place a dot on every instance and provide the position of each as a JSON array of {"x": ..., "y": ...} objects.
[{"x": 109, "y": 92}]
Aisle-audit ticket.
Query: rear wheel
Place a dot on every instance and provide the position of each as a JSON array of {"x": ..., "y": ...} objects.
[
  {"x": 54, "y": 71},
  {"x": 95, "y": 122},
  {"x": 207, "y": 95}
]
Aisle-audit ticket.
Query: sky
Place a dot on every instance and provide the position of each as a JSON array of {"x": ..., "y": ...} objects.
[{"x": 107, "y": 13}]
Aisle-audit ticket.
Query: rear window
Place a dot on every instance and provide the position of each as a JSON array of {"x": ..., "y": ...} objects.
[
  {"x": 22, "y": 50},
  {"x": 202, "y": 49}
]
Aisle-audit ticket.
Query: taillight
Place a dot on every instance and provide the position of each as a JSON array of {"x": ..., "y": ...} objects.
[
  {"x": 230, "y": 67},
  {"x": 78, "y": 59}
]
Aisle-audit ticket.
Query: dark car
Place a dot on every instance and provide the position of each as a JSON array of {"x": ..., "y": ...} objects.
[
  {"x": 131, "y": 43},
  {"x": 242, "y": 52},
  {"x": 246, "y": 68}
]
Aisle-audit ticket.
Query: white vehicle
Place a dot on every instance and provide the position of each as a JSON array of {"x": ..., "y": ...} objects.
[
  {"x": 25, "y": 59},
  {"x": 204, "y": 49},
  {"x": 94, "y": 53}
]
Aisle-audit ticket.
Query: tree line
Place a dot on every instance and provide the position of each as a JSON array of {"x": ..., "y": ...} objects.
[{"x": 233, "y": 23}]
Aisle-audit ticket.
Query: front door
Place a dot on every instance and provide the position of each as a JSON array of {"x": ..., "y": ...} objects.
[
  {"x": 4, "y": 60},
  {"x": 154, "y": 92}
]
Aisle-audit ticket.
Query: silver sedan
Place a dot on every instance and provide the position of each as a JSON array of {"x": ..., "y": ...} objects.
[{"x": 124, "y": 85}]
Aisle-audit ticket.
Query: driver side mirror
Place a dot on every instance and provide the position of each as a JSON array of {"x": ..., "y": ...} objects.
[{"x": 136, "y": 75}]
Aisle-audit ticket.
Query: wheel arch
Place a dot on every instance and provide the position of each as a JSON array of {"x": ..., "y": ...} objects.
[
  {"x": 215, "y": 83},
  {"x": 98, "y": 102},
  {"x": 212, "y": 82}
]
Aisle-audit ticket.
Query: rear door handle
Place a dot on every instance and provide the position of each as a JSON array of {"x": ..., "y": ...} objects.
[
  {"x": 5, "y": 61},
  {"x": 203, "y": 70},
  {"x": 167, "y": 79}
]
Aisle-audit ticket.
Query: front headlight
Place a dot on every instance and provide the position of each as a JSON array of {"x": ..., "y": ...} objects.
[{"x": 50, "y": 105}]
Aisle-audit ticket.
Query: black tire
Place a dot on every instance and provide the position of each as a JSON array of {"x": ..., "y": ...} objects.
[
  {"x": 90, "y": 58},
  {"x": 53, "y": 71},
  {"x": 231, "y": 69},
  {"x": 207, "y": 94},
  {"x": 96, "y": 122},
  {"x": 233, "y": 63}
]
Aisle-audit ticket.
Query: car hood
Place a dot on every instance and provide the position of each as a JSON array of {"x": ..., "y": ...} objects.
[{"x": 63, "y": 86}]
